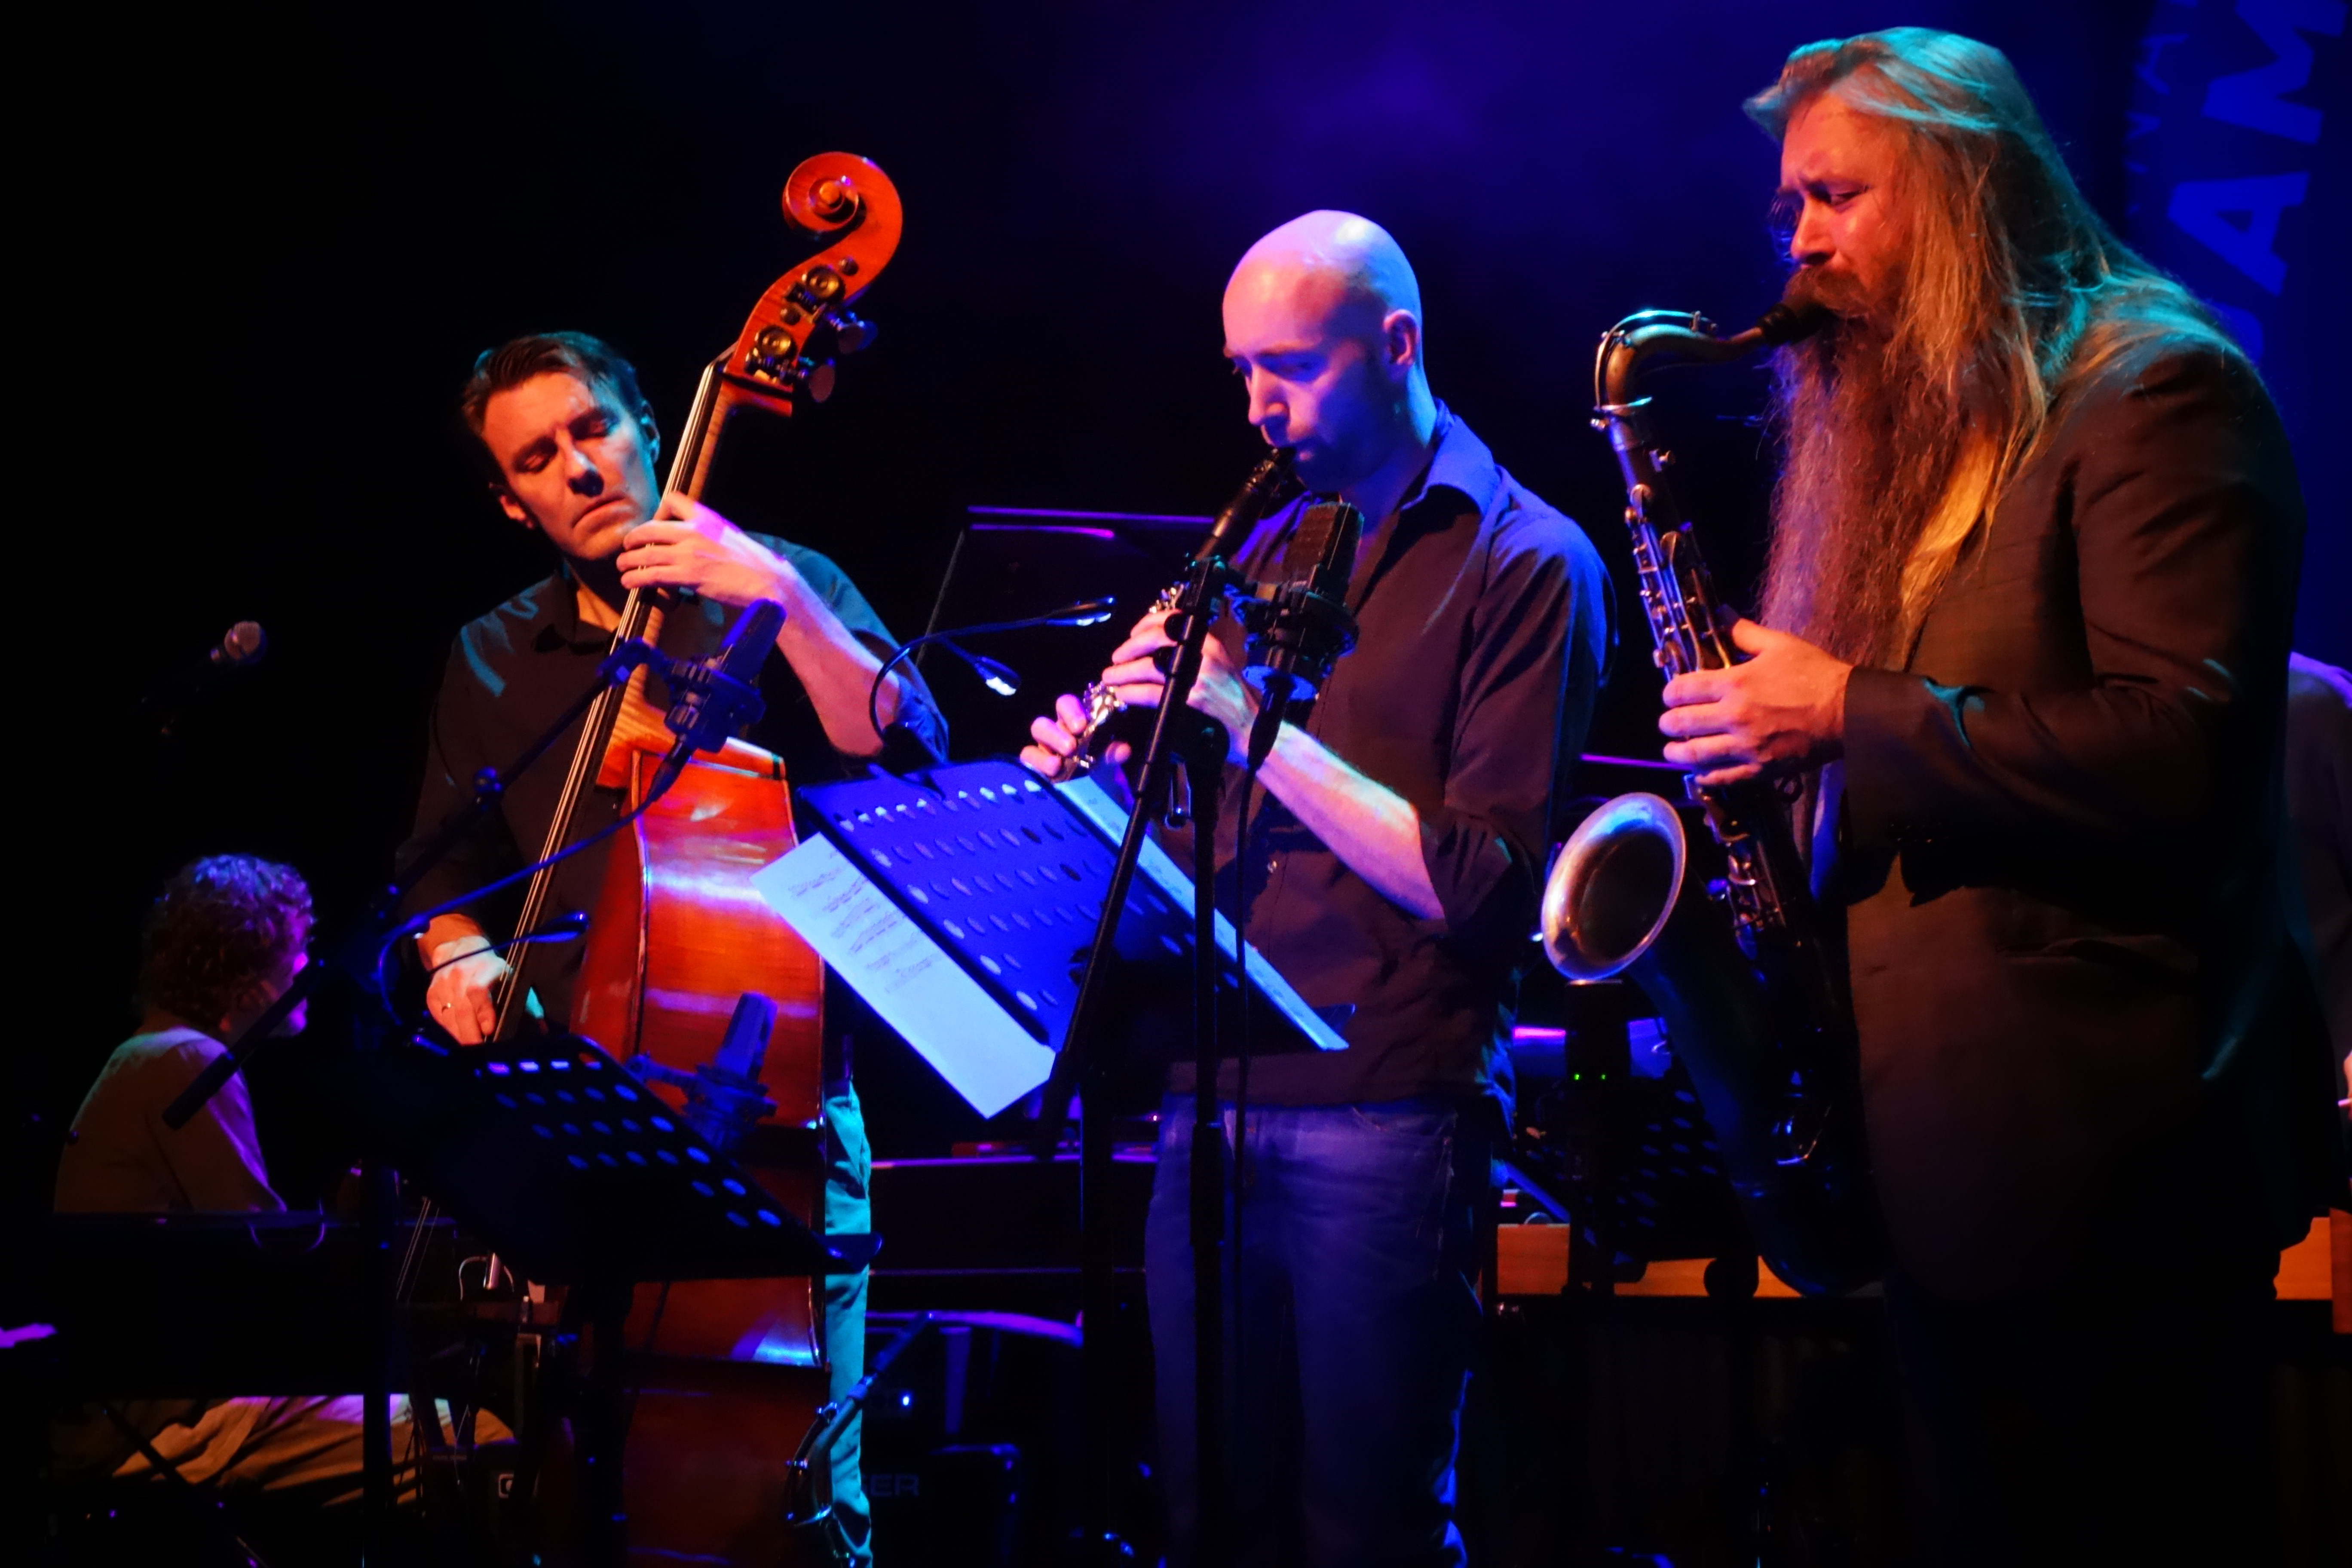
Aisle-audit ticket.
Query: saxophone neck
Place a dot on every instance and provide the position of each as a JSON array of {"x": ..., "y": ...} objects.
[{"x": 1629, "y": 347}]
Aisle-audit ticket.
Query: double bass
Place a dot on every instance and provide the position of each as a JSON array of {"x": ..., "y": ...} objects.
[{"x": 723, "y": 1375}]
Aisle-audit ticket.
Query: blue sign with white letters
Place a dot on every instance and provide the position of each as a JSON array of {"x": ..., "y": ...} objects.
[{"x": 2235, "y": 154}]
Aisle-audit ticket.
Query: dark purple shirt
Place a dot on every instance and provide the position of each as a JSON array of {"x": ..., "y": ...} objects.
[{"x": 1483, "y": 619}]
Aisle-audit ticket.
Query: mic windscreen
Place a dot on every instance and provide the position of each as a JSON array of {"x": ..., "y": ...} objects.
[
  {"x": 1322, "y": 549},
  {"x": 701, "y": 716},
  {"x": 749, "y": 640},
  {"x": 242, "y": 644}
]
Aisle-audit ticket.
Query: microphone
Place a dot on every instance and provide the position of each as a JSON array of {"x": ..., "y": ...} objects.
[
  {"x": 241, "y": 645},
  {"x": 164, "y": 703},
  {"x": 1300, "y": 626},
  {"x": 712, "y": 699}
]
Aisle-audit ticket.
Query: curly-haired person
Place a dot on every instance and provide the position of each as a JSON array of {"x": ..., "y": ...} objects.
[{"x": 224, "y": 940}]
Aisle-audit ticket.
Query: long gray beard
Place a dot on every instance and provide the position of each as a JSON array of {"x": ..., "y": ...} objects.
[{"x": 1868, "y": 443}]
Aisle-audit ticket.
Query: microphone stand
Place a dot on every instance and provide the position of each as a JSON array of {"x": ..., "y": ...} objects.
[{"x": 1179, "y": 735}]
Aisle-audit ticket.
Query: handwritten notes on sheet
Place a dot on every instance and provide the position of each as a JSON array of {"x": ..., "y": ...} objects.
[{"x": 903, "y": 974}]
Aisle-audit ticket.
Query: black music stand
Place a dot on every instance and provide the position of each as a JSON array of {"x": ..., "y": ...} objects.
[
  {"x": 1002, "y": 878},
  {"x": 995, "y": 885},
  {"x": 567, "y": 1165}
]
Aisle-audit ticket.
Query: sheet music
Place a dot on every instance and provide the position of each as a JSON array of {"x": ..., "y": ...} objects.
[{"x": 919, "y": 990}]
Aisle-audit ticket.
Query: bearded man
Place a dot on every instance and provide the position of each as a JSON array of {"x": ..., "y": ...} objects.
[{"x": 2032, "y": 581}]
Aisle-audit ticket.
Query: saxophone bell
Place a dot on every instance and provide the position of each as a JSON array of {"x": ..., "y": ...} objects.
[{"x": 1613, "y": 886}]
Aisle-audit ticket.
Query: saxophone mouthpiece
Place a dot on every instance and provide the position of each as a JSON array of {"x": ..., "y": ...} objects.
[{"x": 1798, "y": 316}]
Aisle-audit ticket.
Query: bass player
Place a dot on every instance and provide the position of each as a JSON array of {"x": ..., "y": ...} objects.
[{"x": 572, "y": 446}]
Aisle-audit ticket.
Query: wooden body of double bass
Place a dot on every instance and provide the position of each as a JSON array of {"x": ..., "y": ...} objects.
[{"x": 727, "y": 1374}]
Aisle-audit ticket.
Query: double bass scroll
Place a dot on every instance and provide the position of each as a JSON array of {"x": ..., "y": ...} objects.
[{"x": 786, "y": 352}]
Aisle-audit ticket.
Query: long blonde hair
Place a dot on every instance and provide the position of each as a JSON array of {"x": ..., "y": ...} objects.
[{"x": 2015, "y": 296}]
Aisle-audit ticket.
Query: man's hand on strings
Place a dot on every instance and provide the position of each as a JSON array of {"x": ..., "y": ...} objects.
[
  {"x": 1781, "y": 711},
  {"x": 462, "y": 994},
  {"x": 688, "y": 546}
]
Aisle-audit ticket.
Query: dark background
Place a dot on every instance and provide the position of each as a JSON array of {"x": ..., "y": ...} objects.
[{"x": 265, "y": 252}]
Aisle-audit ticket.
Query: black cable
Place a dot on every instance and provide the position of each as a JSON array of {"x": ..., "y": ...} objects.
[
  {"x": 1085, "y": 613},
  {"x": 1243, "y": 850},
  {"x": 415, "y": 925},
  {"x": 874, "y": 691}
]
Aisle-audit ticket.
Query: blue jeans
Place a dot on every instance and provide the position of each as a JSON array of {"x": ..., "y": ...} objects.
[
  {"x": 848, "y": 1164},
  {"x": 1347, "y": 1361}
]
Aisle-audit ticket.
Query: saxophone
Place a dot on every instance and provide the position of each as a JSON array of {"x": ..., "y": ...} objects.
[
  {"x": 1260, "y": 493},
  {"x": 1755, "y": 1006}
]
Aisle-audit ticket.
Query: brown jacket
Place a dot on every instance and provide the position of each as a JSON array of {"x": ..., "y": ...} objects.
[{"x": 2061, "y": 831}]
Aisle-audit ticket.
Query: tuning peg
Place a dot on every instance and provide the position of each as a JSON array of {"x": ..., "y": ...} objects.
[
  {"x": 852, "y": 333},
  {"x": 833, "y": 199}
]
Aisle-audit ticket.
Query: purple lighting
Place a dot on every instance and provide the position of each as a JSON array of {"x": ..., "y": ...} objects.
[
  {"x": 1653, "y": 763},
  {"x": 1041, "y": 527},
  {"x": 1079, "y": 516}
]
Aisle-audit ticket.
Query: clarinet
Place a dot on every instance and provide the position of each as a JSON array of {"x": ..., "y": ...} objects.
[
  {"x": 1755, "y": 1005},
  {"x": 1267, "y": 487}
]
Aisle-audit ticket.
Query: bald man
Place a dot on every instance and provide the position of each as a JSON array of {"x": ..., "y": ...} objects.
[{"x": 1392, "y": 868}]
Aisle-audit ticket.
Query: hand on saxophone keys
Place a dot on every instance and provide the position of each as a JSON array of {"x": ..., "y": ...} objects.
[
  {"x": 1063, "y": 745},
  {"x": 1779, "y": 711},
  {"x": 1101, "y": 702}
]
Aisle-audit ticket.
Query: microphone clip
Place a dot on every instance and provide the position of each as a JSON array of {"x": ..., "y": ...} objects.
[
  {"x": 1300, "y": 626},
  {"x": 702, "y": 695},
  {"x": 710, "y": 698},
  {"x": 1297, "y": 632}
]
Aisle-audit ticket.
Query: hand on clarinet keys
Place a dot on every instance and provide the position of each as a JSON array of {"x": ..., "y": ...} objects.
[{"x": 1058, "y": 741}]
